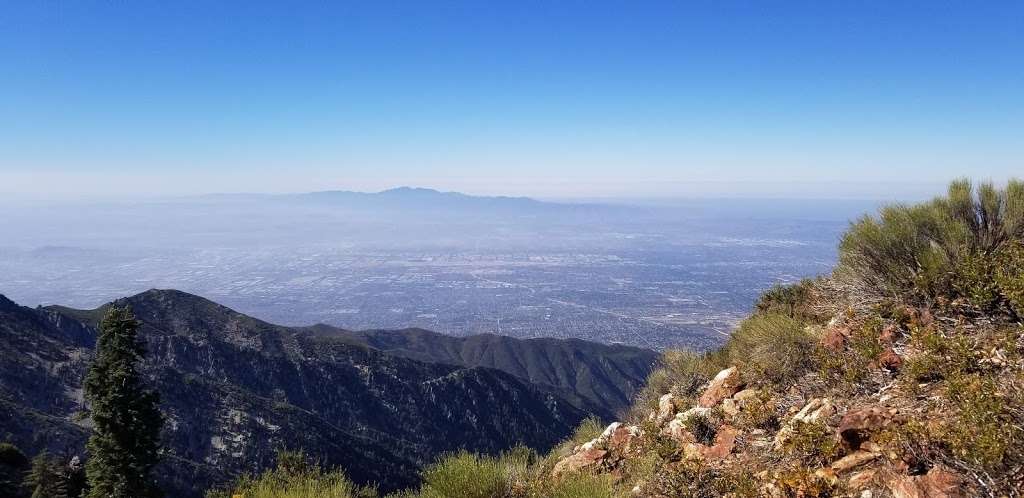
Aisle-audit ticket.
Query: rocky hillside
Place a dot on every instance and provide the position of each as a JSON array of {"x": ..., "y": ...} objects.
[
  {"x": 236, "y": 390},
  {"x": 599, "y": 378},
  {"x": 899, "y": 375}
]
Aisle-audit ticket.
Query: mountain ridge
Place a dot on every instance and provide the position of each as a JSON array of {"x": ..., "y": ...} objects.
[{"x": 235, "y": 389}]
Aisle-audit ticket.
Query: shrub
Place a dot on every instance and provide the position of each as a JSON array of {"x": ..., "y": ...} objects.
[
  {"x": 589, "y": 429},
  {"x": 581, "y": 486},
  {"x": 466, "y": 475},
  {"x": 697, "y": 479},
  {"x": 813, "y": 443},
  {"x": 938, "y": 355},
  {"x": 984, "y": 430},
  {"x": 13, "y": 464},
  {"x": 773, "y": 349},
  {"x": 296, "y": 476},
  {"x": 1009, "y": 276},
  {"x": 938, "y": 249},
  {"x": 704, "y": 427},
  {"x": 759, "y": 413},
  {"x": 851, "y": 366},
  {"x": 793, "y": 300},
  {"x": 682, "y": 373}
]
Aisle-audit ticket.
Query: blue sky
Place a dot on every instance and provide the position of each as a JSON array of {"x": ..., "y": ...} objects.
[{"x": 554, "y": 99}]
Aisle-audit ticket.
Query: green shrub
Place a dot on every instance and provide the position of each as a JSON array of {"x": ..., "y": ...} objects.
[
  {"x": 938, "y": 355},
  {"x": 581, "y": 485},
  {"x": 772, "y": 349},
  {"x": 813, "y": 443},
  {"x": 295, "y": 476},
  {"x": 1009, "y": 276},
  {"x": 938, "y": 249},
  {"x": 848, "y": 368},
  {"x": 682, "y": 373},
  {"x": 793, "y": 300},
  {"x": 589, "y": 429},
  {"x": 704, "y": 427},
  {"x": 984, "y": 430},
  {"x": 466, "y": 475}
]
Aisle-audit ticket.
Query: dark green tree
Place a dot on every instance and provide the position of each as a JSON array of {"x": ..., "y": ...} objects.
[
  {"x": 125, "y": 442},
  {"x": 13, "y": 464},
  {"x": 48, "y": 477}
]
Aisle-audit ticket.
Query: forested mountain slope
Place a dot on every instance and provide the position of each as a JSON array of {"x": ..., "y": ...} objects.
[{"x": 236, "y": 390}]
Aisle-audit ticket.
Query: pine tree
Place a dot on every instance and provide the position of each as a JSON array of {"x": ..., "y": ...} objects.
[
  {"x": 47, "y": 477},
  {"x": 125, "y": 442},
  {"x": 12, "y": 469}
]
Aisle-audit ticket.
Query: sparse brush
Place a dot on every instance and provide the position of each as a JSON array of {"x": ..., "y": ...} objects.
[
  {"x": 579, "y": 485},
  {"x": 1009, "y": 276},
  {"x": 772, "y": 349},
  {"x": 589, "y": 429},
  {"x": 296, "y": 476},
  {"x": 466, "y": 475},
  {"x": 812, "y": 443},
  {"x": 682, "y": 373},
  {"x": 797, "y": 300}
]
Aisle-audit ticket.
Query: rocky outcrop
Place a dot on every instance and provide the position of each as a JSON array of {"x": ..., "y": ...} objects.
[
  {"x": 727, "y": 383},
  {"x": 937, "y": 483},
  {"x": 857, "y": 425},
  {"x": 612, "y": 446},
  {"x": 815, "y": 411}
]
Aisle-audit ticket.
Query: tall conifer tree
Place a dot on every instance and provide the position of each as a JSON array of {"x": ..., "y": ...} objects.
[{"x": 125, "y": 442}]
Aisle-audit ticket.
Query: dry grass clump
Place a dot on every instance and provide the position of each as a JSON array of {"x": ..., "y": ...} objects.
[{"x": 938, "y": 355}]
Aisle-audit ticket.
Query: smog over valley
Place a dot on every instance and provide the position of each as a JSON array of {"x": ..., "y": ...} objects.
[{"x": 665, "y": 276}]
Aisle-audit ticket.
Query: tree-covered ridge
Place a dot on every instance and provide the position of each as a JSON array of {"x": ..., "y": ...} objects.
[{"x": 235, "y": 390}]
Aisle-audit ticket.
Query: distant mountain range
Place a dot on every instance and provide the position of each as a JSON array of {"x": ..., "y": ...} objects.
[
  {"x": 399, "y": 198},
  {"x": 235, "y": 389}
]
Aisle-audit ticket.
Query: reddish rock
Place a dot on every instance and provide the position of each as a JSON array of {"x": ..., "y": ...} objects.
[
  {"x": 725, "y": 442},
  {"x": 937, "y": 483},
  {"x": 835, "y": 338},
  {"x": 580, "y": 460},
  {"x": 857, "y": 425},
  {"x": 888, "y": 335},
  {"x": 891, "y": 361},
  {"x": 621, "y": 438},
  {"x": 724, "y": 385}
]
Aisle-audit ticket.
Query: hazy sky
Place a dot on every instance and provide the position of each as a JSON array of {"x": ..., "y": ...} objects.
[{"x": 555, "y": 99}]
